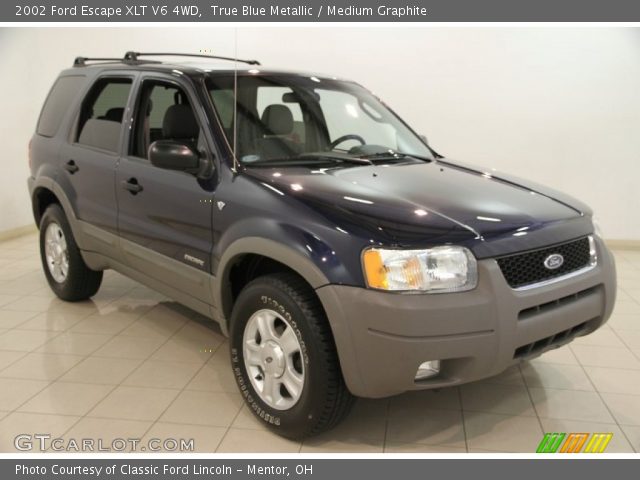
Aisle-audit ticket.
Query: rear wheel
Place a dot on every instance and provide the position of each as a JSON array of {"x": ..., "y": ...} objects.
[
  {"x": 284, "y": 357},
  {"x": 67, "y": 274}
]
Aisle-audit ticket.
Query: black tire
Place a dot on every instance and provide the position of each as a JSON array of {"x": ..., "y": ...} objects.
[
  {"x": 81, "y": 282},
  {"x": 324, "y": 400}
]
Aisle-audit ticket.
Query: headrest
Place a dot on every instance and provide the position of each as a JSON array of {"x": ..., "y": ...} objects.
[
  {"x": 180, "y": 122},
  {"x": 114, "y": 114},
  {"x": 278, "y": 120}
]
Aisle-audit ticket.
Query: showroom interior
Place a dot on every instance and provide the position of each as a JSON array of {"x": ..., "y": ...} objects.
[{"x": 559, "y": 106}]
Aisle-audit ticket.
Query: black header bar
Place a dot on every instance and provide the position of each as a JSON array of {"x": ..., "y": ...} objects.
[{"x": 320, "y": 11}]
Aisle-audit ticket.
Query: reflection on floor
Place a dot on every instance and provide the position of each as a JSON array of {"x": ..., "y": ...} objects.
[{"x": 132, "y": 364}]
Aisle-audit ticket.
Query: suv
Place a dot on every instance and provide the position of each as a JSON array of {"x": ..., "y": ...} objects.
[{"x": 340, "y": 254}]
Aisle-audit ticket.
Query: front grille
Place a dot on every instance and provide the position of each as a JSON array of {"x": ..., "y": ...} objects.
[
  {"x": 523, "y": 269},
  {"x": 556, "y": 340}
]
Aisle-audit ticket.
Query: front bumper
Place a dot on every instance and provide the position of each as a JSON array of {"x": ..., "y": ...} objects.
[{"x": 383, "y": 337}]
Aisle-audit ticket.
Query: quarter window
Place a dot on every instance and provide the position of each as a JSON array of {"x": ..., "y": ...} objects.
[{"x": 62, "y": 94}]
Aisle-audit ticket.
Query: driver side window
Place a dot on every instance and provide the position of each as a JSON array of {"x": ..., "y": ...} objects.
[{"x": 163, "y": 113}]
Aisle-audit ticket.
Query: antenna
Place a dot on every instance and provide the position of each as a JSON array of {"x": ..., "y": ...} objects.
[{"x": 235, "y": 103}]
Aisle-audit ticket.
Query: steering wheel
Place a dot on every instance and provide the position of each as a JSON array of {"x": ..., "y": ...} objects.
[{"x": 344, "y": 138}]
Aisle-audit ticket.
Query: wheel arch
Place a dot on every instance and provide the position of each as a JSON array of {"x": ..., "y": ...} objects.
[
  {"x": 276, "y": 257},
  {"x": 46, "y": 191},
  {"x": 41, "y": 198}
]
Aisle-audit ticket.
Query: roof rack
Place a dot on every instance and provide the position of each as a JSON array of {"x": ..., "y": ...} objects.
[
  {"x": 82, "y": 61},
  {"x": 133, "y": 57}
]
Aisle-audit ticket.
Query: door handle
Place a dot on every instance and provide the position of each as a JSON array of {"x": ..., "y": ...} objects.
[
  {"x": 71, "y": 167},
  {"x": 132, "y": 185}
]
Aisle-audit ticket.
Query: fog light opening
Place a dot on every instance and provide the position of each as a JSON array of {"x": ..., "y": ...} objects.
[{"x": 428, "y": 369}]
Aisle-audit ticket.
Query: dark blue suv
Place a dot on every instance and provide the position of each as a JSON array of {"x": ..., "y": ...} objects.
[{"x": 340, "y": 253}]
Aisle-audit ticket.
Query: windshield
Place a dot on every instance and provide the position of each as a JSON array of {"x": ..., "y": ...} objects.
[{"x": 294, "y": 119}]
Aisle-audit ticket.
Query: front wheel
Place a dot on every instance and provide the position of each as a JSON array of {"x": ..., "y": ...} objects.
[{"x": 284, "y": 358}]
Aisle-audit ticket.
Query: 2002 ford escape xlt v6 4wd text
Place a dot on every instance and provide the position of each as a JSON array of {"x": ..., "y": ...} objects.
[{"x": 341, "y": 255}]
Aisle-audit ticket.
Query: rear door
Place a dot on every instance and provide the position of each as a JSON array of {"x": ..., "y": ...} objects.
[
  {"x": 90, "y": 158},
  {"x": 164, "y": 216}
]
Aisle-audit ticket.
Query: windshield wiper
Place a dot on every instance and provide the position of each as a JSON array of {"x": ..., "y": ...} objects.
[
  {"x": 339, "y": 157},
  {"x": 310, "y": 159},
  {"x": 392, "y": 155}
]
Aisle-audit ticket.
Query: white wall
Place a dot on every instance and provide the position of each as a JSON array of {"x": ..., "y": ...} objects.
[{"x": 558, "y": 105}]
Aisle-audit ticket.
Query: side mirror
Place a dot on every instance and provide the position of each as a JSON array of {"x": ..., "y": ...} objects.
[
  {"x": 424, "y": 139},
  {"x": 172, "y": 155}
]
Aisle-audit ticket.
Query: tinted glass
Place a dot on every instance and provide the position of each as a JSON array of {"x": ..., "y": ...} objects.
[
  {"x": 223, "y": 100},
  {"x": 60, "y": 98},
  {"x": 112, "y": 98},
  {"x": 102, "y": 112}
]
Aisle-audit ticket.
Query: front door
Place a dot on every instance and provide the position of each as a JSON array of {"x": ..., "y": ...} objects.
[{"x": 164, "y": 216}]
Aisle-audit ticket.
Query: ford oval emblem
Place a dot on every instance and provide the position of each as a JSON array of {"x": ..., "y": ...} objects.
[{"x": 553, "y": 261}]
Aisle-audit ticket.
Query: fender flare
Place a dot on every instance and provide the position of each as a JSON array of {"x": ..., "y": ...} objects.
[
  {"x": 266, "y": 248},
  {"x": 314, "y": 277},
  {"x": 50, "y": 184}
]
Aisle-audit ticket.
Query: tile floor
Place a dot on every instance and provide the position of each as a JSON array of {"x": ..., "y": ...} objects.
[{"x": 132, "y": 364}]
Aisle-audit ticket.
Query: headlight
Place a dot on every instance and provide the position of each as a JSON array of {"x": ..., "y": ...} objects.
[{"x": 434, "y": 270}]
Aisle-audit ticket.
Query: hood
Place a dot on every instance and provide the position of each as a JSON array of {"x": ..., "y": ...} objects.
[{"x": 435, "y": 202}]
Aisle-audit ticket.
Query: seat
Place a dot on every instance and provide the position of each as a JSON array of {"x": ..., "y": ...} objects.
[
  {"x": 113, "y": 114},
  {"x": 277, "y": 121},
  {"x": 180, "y": 124}
]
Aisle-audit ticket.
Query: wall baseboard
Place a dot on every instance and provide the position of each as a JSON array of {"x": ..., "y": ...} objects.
[
  {"x": 623, "y": 244},
  {"x": 17, "y": 232}
]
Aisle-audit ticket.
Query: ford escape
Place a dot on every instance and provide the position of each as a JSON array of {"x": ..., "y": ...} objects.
[{"x": 340, "y": 253}]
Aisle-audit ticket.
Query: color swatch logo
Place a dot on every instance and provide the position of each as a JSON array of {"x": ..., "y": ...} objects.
[{"x": 574, "y": 442}]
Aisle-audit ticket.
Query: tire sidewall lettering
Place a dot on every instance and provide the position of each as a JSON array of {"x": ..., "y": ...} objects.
[{"x": 278, "y": 307}]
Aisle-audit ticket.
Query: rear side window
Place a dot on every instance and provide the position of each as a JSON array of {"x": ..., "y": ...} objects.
[
  {"x": 60, "y": 98},
  {"x": 101, "y": 114}
]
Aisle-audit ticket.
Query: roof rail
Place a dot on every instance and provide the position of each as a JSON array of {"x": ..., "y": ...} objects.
[
  {"x": 82, "y": 61},
  {"x": 133, "y": 57}
]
